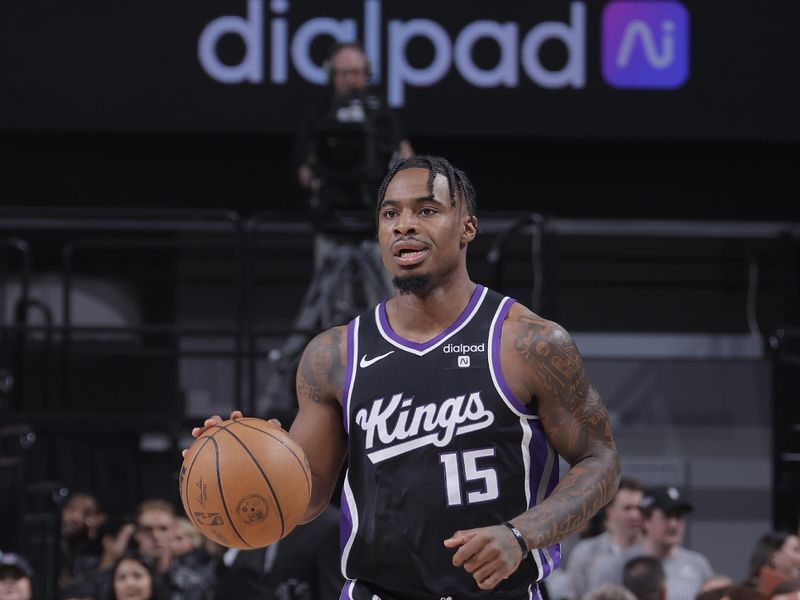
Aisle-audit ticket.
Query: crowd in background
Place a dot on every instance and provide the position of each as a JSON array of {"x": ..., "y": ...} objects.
[
  {"x": 159, "y": 555},
  {"x": 631, "y": 551}
]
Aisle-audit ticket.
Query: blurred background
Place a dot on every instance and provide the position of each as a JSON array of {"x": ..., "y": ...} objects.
[{"x": 637, "y": 184}]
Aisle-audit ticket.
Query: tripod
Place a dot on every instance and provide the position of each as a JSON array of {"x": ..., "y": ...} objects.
[{"x": 347, "y": 280}]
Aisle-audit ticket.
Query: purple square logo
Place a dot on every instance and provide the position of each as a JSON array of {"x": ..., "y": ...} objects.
[{"x": 645, "y": 44}]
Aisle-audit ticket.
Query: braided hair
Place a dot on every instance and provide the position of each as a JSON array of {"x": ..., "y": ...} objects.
[{"x": 457, "y": 181}]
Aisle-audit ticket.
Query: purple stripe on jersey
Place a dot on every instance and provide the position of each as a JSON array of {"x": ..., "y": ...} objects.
[
  {"x": 545, "y": 565},
  {"x": 348, "y": 371},
  {"x": 538, "y": 450},
  {"x": 345, "y": 595},
  {"x": 555, "y": 554},
  {"x": 495, "y": 358},
  {"x": 435, "y": 340},
  {"x": 345, "y": 523},
  {"x": 535, "y": 592}
]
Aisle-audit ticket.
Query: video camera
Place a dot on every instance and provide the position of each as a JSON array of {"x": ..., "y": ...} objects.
[{"x": 354, "y": 143}]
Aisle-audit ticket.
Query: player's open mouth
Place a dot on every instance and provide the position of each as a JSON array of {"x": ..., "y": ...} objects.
[
  {"x": 409, "y": 253},
  {"x": 407, "y": 258}
]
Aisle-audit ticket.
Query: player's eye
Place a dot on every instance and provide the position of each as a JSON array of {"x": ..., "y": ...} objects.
[{"x": 427, "y": 211}]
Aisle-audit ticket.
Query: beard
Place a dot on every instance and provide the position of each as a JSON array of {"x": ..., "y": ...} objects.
[{"x": 410, "y": 285}]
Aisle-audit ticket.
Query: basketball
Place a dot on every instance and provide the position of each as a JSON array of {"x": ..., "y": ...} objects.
[{"x": 245, "y": 483}]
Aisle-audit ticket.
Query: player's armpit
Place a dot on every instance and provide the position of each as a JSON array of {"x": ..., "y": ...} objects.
[
  {"x": 575, "y": 421},
  {"x": 318, "y": 427}
]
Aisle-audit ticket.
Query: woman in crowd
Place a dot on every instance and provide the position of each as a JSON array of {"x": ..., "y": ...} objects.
[{"x": 134, "y": 579}]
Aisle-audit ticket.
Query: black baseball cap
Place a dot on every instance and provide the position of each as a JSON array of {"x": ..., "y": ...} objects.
[
  {"x": 668, "y": 499},
  {"x": 9, "y": 560}
]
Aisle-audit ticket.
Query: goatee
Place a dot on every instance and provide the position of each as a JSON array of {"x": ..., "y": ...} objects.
[{"x": 409, "y": 285}]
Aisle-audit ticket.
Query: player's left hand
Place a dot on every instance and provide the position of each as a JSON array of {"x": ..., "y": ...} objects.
[{"x": 490, "y": 554}]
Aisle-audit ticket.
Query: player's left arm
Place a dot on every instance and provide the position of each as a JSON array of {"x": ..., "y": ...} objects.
[{"x": 541, "y": 362}]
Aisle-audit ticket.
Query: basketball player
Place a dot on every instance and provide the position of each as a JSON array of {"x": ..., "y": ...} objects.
[{"x": 451, "y": 403}]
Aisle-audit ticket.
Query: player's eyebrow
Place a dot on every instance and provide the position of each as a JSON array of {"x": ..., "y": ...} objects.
[{"x": 418, "y": 200}]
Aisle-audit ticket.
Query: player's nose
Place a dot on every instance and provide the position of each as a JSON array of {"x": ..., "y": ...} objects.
[{"x": 406, "y": 223}]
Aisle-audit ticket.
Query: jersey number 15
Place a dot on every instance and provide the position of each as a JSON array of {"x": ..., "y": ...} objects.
[{"x": 461, "y": 468}]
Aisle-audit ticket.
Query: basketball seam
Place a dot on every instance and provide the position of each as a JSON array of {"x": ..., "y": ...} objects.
[
  {"x": 258, "y": 466},
  {"x": 279, "y": 440},
  {"x": 188, "y": 475},
  {"x": 222, "y": 494}
]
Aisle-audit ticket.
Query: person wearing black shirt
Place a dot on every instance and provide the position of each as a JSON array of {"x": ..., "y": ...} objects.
[{"x": 345, "y": 144}]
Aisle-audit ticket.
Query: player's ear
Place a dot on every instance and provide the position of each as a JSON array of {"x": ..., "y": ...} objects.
[{"x": 469, "y": 229}]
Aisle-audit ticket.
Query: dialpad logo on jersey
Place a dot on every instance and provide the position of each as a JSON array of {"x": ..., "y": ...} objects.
[
  {"x": 645, "y": 44},
  {"x": 397, "y": 427},
  {"x": 464, "y": 348}
]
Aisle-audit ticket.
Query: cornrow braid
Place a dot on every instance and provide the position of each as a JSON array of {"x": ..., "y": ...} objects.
[{"x": 457, "y": 181}]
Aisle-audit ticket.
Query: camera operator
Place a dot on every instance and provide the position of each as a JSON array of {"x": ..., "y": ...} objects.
[
  {"x": 345, "y": 145},
  {"x": 341, "y": 153}
]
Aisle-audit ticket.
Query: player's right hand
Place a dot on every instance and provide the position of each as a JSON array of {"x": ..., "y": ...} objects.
[{"x": 213, "y": 421}]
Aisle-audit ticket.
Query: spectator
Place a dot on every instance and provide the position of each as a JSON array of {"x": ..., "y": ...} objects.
[
  {"x": 16, "y": 577},
  {"x": 81, "y": 518},
  {"x": 664, "y": 511},
  {"x": 622, "y": 519},
  {"x": 189, "y": 550},
  {"x": 775, "y": 559},
  {"x": 133, "y": 578},
  {"x": 644, "y": 577},
  {"x": 788, "y": 590},
  {"x": 609, "y": 591},
  {"x": 732, "y": 592},
  {"x": 717, "y": 593},
  {"x": 714, "y": 582},
  {"x": 155, "y": 531},
  {"x": 187, "y": 538},
  {"x": 115, "y": 537}
]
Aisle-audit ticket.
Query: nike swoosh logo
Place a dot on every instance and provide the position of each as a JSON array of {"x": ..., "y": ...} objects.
[{"x": 365, "y": 363}]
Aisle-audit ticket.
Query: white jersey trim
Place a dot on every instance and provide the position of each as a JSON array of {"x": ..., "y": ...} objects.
[
  {"x": 385, "y": 335},
  {"x": 351, "y": 504},
  {"x": 354, "y": 369},
  {"x": 525, "y": 450}
]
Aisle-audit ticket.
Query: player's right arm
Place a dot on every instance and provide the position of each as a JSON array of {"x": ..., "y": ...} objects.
[{"x": 318, "y": 427}]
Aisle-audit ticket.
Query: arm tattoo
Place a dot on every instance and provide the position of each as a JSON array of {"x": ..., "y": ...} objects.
[
  {"x": 575, "y": 421},
  {"x": 321, "y": 367}
]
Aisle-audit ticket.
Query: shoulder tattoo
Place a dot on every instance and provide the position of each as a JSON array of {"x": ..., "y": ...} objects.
[{"x": 321, "y": 367}]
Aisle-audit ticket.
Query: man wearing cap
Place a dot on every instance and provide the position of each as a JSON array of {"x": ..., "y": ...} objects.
[
  {"x": 622, "y": 520},
  {"x": 15, "y": 577},
  {"x": 663, "y": 523}
]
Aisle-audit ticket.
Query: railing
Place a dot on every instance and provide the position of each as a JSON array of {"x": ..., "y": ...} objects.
[{"x": 522, "y": 253}]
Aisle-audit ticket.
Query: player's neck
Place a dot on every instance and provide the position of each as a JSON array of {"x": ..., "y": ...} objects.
[{"x": 421, "y": 316}]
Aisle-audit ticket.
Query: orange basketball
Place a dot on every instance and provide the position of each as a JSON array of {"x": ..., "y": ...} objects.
[{"x": 245, "y": 483}]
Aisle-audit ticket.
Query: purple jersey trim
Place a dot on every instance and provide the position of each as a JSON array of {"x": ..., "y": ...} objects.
[
  {"x": 555, "y": 554},
  {"x": 346, "y": 591},
  {"x": 505, "y": 306},
  {"x": 539, "y": 451},
  {"x": 348, "y": 372},
  {"x": 421, "y": 346}
]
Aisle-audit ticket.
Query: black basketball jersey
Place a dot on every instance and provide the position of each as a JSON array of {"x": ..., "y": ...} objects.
[{"x": 437, "y": 443}]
